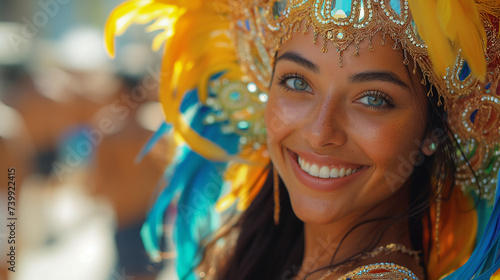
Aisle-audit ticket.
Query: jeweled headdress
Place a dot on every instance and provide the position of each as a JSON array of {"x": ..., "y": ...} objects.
[{"x": 218, "y": 64}]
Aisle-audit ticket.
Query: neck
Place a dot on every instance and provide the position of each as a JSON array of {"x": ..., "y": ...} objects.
[{"x": 351, "y": 235}]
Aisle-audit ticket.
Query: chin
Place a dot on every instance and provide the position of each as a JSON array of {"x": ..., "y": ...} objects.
[{"x": 315, "y": 210}]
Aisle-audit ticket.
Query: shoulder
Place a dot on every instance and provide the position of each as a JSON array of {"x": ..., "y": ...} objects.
[{"x": 380, "y": 271}]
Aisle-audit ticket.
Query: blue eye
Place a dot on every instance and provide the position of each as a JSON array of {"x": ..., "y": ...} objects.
[
  {"x": 298, "y": 83},
  {"x": 375, "y": 100}
]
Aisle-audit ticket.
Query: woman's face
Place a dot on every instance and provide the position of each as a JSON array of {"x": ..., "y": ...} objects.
[{"x": 343, "y": 139}]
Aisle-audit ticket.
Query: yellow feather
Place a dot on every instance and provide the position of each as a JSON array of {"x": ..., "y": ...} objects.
[
  {"x": 462, "y": 25},
  {"x": 444, "y": 9},
  {"x": 201, "y": 145},
  {"x": 159, "y": 40},
  {"x": 197, "y": 46},
  {"x": 225, "y": 202},
  {"x": 247, "y": 181},
  {"x": 111, "y": 26},
  {"x": 447, "y": 26},
  {"x": 457, "y": 238},
  {"x": 133, "y": 12},
  {"x": 425, "y": 16}
]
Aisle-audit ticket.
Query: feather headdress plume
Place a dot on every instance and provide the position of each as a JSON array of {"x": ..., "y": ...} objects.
[
  {"x": 199, "y": 62},
  {"x": 447, "y": 26},
  {"x": 197, "y": 46}
]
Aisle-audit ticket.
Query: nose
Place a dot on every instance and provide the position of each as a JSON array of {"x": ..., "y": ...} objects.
[{"x": 327, "y": 126}]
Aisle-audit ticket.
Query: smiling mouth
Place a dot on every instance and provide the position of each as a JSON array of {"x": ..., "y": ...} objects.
[{"x": 325, "y": 172}]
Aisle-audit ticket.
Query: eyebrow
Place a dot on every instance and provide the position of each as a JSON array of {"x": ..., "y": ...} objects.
[
  {"x": 384, "y": 76},
  {"x": 299, "y": 59}
]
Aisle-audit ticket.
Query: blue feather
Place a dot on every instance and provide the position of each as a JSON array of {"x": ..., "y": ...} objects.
[
  {"x": 196, "y": 218},
  {"x": 190, "y": 175},
  {"x": 162, "y": 130},
  {"x": 485, "y": 260},
  {"x": 152, "y": 230}
]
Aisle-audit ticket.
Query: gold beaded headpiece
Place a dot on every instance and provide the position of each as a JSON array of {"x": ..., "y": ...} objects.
[{"x": 461, "y": 59}]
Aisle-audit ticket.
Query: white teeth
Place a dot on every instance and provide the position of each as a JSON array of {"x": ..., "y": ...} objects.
[
  {"x": 325, "y": 171},
  {"x": 314, "y": 171},
  {"x": 342, "y": 172},
  {"x": 334, "y": 173}
]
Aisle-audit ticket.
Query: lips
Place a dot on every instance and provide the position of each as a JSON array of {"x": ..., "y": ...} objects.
[{"x": 323, "y": 173}]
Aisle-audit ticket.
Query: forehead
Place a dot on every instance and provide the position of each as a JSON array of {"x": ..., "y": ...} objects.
[{"x": 355, "y": 58}]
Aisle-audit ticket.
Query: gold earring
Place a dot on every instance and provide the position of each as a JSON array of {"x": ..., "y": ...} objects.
[{"x": 276, "y": 197}]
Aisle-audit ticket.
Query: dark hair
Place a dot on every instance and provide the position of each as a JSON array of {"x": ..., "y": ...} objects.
[{"x": 265, "y": 250}]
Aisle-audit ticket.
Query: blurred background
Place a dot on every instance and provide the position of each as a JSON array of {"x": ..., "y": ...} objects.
[{"x": 72, "y": 121}]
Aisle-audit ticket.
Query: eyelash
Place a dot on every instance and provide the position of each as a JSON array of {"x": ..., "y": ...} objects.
[
  {"x": 370, "y": 93},
  {"x": 283, "y": 79},
  {"x": 379, "y": 94}
]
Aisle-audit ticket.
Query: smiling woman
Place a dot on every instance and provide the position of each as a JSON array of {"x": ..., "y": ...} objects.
[
  {"x": 348, "y": 131},
  {"x": 353, "y": 145}
]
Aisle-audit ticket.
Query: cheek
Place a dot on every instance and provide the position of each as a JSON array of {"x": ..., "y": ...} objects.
[
  {"x": 391, "y": 143},
  {"x": 282, "y": 117},
  {"x": 275, "y": 120},
  {"x": 276, "y": 125},
  {"x": 391, "y": 147}
]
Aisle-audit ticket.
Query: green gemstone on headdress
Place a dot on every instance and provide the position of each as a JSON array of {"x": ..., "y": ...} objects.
[
  {"x": 243, "y": 125},
  {"x": 235, "y": 96}
]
